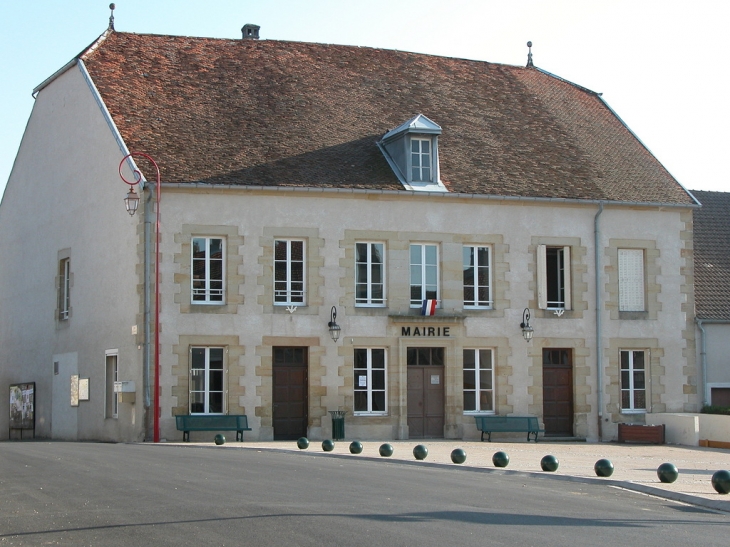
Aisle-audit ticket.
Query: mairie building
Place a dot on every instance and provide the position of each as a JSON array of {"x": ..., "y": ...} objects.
[{"x": 407, "y": 239}]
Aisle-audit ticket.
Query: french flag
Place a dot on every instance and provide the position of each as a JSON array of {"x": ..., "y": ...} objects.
[{"x": 428, "y": 307}]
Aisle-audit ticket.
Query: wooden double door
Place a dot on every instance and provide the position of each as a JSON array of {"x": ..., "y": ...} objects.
[
  {"x": 557, "y": 391},
  {"x": 425, "y": 369},
  {"x": 290, "y": 388}
]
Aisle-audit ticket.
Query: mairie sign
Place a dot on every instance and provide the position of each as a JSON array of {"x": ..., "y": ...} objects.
[{"x": 425, "y": 331}]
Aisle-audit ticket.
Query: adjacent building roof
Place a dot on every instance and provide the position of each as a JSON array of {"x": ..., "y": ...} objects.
[
  {"x": 264, "y": 112},
  {"x": 712, "y": 255}
]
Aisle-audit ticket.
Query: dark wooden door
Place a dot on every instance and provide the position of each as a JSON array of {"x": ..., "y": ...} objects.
[
  {"x": 290, "y": 416},
  {"x": 557, "y": 391},
  {"x": 425, "y": 393}
]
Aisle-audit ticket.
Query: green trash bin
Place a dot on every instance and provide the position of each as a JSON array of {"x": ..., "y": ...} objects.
[{"x": 338, "y": 424}]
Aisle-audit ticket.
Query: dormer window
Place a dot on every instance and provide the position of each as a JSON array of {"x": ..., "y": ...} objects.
[
  {"x": 420, "y": 160},
  {"x": 411, "y": 150}
]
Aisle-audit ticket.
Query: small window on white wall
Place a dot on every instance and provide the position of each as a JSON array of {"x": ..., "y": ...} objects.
[
  {"x": 112, "y": 375},
  {"x": 631, "y": 280}
]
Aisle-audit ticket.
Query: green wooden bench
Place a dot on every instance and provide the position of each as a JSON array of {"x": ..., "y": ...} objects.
[
  {"x": 212, "y": 422},
  {"x": 489, "y": 424}
]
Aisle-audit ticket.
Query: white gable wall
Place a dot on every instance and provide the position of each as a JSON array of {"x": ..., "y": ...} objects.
[{"x": 64, "y": 193}]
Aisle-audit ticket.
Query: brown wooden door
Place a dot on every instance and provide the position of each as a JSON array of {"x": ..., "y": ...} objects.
[
  {"x": 425, "y": 393},
  {"x": 290, "y": 416},
  {"x": 557, "y": 391}
]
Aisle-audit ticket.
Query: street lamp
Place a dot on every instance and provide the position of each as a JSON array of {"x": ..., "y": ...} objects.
[
  {"x": 131, "y": 203},
  {"x": 333, "y": 326}
]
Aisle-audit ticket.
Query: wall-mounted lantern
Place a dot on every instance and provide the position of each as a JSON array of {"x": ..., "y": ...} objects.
[
  {"x": 527, "y": 330},
  {"x": 333, "y": 326}
]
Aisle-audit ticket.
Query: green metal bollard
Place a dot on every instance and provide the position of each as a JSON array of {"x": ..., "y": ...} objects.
[
  {"x": 500, "y": 459},
  {"x": 355, "y": 447},
  {"x": 420, "y": 452},
  {"x": 458, "y": 455},
  {"x": 302, "y": 443},
  {"x": 667, "y": 472},
  {"x": 721, "y": 481},
  {"x": 219, "y": 439},
  {"x": 603, "y": 468},
  {"x": 328, "y": 445},
  {"x": 386, "y": 450},
  {"x": 549, "y": 463}
]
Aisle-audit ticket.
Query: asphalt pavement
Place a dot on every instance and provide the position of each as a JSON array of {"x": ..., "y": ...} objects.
[{"x": 635, "y": 466}]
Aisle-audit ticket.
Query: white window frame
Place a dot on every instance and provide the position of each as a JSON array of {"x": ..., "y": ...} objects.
[
  {"x": 288, "y": 296},
  {"x": 64, "y": 289},
  {"x": 479, "y": 354},
  {"x": 420, "y": 160},
  {"x": 631, "y": 388},
  {"x": 560, "y": 276},
  {"x": 631, "y": 280},
  {"x": 111, "y": 366},
  {"x": 210, "y": 295},
  {"x": 419, "y": 275},
  {"x": 366, "y": 375},
  {"x": 369, "y": 300},
  {"x": 206, "y": 373},
  {"x": 476, "y": 266}
]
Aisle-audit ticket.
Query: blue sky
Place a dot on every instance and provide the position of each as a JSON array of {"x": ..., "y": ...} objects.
[{"x": 659, "y": 64}]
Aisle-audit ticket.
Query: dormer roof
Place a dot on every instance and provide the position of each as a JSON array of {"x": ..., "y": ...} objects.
[{"x": 418, "y": 124}]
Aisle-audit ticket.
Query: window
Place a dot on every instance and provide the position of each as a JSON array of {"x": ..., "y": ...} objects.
[
  {"x": 633, "y": 381},
  {"x": 477, "y": 288},
  {"x": 288, "y": 272},
  {"x": 424, "y": 274},
  {"x": 64, "y": 289},
  {"x": 631, "y": 280},
  {"x": 112, "y": 375},
  {"x": 553, "y": 278},
  {"x": 206, "y": 381},
  {"x": 208, "y": 267},
  {"x": 370, "y": 274},
  {"x": 478, "y": 380},
  {"x": 370, "y": 381},
  {"x": 421, "y": 160}
]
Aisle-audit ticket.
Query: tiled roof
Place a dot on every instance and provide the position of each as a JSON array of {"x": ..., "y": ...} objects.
[
  {"x": 280, "y": 113},
  {"x": 712, "y": 255}
]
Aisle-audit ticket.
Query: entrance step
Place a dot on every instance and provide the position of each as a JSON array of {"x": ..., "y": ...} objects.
[{"x": 555, "y": 439}]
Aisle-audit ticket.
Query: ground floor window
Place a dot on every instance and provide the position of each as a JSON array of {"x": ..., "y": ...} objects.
[
  {"x": 478, "y": 380},
  {"x": 206, "y": 381},
  {"x": 370, "y": 382},
  {"x": 633, "y": 380}
]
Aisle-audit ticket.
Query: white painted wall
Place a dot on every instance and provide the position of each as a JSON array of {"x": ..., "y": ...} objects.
[{"x": 65, "y": 192}]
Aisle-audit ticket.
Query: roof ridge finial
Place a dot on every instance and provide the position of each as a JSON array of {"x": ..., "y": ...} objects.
[
  {"x": 529, "y": 55},
  {"x": 111, "y": 17}
]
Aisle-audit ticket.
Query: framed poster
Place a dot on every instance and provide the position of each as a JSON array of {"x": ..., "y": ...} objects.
[{"x": 22, "y": 407}]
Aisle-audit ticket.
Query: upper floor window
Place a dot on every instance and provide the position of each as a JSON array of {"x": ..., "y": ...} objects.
[
  {"x": 553, "y": 278},
  {"x": 208, "y": 264},
  {"x": 633, "y": 381},
  {"x": 420, "y": 160},
  {"x": 206, "y": 380},
  {"x": 289, "y": 266},
  {"x": 631, "y": 280},
  {"x": 64, "y": 288},
  {"x": 424, "y": 273},
  {"x": 477, "y": 286},
  {"x": 370, "y": 274},
  {"x": 370, "y": 381},
  {"x": 478, "y": 380}
]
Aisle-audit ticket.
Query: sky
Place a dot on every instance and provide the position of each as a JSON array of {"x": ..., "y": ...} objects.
[{"x": 658, "y": 63}]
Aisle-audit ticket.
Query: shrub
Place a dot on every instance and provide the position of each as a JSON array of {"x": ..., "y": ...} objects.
[{"x": 714, "y": 409}]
